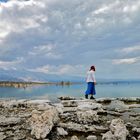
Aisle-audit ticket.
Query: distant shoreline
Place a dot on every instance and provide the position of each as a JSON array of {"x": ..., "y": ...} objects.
[{"x": 24, "y": 84}]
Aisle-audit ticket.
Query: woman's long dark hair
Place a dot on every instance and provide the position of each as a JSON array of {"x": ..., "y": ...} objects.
[{"x": 92, "y": 68}]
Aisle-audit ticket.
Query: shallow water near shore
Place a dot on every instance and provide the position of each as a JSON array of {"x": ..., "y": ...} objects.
[{"x": 52, "y": 92}]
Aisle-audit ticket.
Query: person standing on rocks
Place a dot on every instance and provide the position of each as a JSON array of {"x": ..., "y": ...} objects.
[{"x": 91, "y": 82}]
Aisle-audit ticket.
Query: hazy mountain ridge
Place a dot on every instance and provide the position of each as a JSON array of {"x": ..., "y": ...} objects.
[{"x": 41, "y": 77}]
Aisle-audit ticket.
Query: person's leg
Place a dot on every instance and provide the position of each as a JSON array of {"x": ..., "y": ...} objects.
[
  {"x": 88, "y": 91},
  {"x": 92, "y": 91},
  {"x": 86, "y": 96},
  {"x": 91, "y": 97}
]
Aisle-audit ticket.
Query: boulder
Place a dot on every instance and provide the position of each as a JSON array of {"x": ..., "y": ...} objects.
[{"x": 42, "y": 122}]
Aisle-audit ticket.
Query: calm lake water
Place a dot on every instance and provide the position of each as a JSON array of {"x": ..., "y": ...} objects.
[{"x": 52, "y": 92}]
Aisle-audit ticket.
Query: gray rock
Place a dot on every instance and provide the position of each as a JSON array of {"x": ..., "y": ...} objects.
[
  {"x": 105, "y": 100},
  {"x": 139, "y": 137},
  {"x": 133, "y": 138},
  {"x": 2, "y": 136},
  {"x": 108, "y": 136},
  {"x": 113, "y": 113},
  {"x": 130, "y": 99},
  {"x": 83, "y": 128},
  {"x": 61, "y": 131},
  {"x": 135, "y": 129},
  {"x": 9, "y": 121},
  {"x": 70, "y": 103},
  {"x": 118, "y": 128},
  {"x": 91, "y": 137},
  {"x": 86, "y": 117},
  {"x": 84, "y": 106},
  {"x": 117, "y": 105},
  {"x": 74, "y": 138}
]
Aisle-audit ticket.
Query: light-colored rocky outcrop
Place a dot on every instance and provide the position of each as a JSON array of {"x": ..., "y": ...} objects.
[
  {"x": 105, "y": 119},
  {"x": 117, "y": 131},
  {"x": 42, "y": 123}
]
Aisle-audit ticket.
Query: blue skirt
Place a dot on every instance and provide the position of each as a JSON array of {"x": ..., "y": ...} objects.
[{"x": 90, "y": 89}]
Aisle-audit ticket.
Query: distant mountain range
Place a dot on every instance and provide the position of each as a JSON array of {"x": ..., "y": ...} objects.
[
  {"x": 28, "y": 76},
  {"x": 36, "y": 77}
]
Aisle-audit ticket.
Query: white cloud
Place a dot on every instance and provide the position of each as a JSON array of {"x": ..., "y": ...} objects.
[
  {"x": 131, "y": 49},
  {"x": 126, "y": 61},
  {"x": 8, "y": 65},
  {"x": 59, "y": 70}
]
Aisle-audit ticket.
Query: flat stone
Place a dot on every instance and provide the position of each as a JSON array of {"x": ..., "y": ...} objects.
[
  {"x": 8, "y": 121},
  {"x": 89, "y": 106},
  {"x": 91, "y": 137}
]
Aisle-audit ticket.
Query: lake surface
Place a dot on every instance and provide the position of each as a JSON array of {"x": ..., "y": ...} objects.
[{"x": 52, "y": 92}]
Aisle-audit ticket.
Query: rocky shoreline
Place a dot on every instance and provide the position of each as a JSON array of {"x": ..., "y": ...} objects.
[{"x": 71, "y": 119}]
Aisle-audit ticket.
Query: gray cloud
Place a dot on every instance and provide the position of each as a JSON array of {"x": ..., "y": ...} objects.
[{"x": 71, "y": 33}]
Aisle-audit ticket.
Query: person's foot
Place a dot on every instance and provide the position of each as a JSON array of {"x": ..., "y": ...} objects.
[
  {"x": 92, "y": 97},
  {"x": 86, "y": 96}
]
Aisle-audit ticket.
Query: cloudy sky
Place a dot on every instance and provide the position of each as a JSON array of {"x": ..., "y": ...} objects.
[{"x": 66, "y": 37}]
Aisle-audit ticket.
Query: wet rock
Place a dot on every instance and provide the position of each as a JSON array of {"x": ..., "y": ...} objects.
[
  {"x": 91, "y": 137},
  {"x": 61, "y": 131},
  {"x": 42, "y": 123},
  {"x": 74, "y": 138}
]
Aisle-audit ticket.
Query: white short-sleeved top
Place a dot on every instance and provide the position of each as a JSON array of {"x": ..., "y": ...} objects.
[{"x": 90, "y": 76}]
